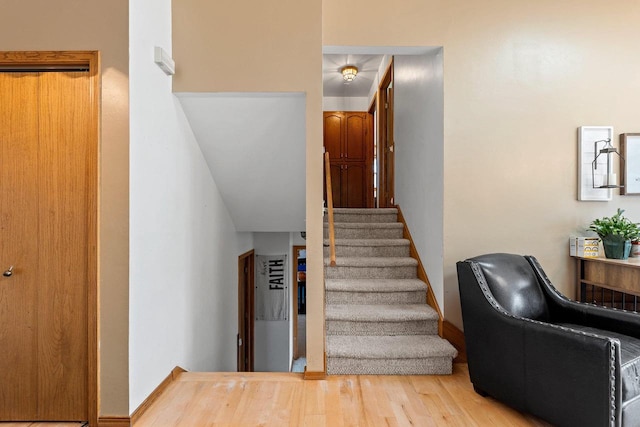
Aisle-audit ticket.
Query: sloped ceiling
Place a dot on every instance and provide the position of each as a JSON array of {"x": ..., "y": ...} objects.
[{"x": 255, "y": 147}]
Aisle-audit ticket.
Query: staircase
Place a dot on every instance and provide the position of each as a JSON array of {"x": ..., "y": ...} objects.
[{"x": 377, "y": 319}]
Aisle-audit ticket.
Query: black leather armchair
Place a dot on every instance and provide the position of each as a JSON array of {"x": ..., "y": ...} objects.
[{"x": 569, "y": 363}]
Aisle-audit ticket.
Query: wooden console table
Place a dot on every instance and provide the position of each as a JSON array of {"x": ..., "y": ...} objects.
[{"x": 609, "y": 282}]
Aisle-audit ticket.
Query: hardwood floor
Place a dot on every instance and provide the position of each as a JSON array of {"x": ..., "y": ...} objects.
[{"x": 285, "y": 399}]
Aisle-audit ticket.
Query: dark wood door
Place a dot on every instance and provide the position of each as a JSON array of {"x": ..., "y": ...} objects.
[
  {"x": 334, "y": 135},
  {"x": 349, "y": 134},
  {"x": 246, "y": 271},
  {"x": 386, "y": 141},
  {"x": 353, "y": 183},
  {"x": 356, "y": 139},
  {"x": 47, "y": 196}
]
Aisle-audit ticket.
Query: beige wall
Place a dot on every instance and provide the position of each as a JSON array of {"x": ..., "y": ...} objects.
[
  {"x": 103, "y": 26},
  {"x": 519, "y": 78},
  {"x": 252, "y": 46}
]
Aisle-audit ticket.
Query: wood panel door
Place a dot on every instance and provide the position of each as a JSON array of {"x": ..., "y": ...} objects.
[
  {"x": 336, "y": 185},
  {"x": 348, "y": 138},
  {"x": 357, "y": 141},
  {"x": 354, "y": 186},
  {"x": 246, "y": 311},
  {"x": 334, "y": 136},
  {"x": 386, "y": 159},
  {"x": 47, "y": 235}
]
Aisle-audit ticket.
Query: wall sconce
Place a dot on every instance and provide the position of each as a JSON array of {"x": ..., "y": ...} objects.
[
  {"x": 605, "y": 178},
  {"x": 349, "y": 73}
]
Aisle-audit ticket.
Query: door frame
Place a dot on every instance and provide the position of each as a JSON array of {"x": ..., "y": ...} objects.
[
  {"x": 375, "y": 177},
  {"x": 34, "y": 60},
  {"x": 246, "y": 305},
  {"x": 385, "y": 125}
]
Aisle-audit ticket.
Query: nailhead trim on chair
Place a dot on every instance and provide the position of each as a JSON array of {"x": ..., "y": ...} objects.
[{"x": 613, "y": 342}]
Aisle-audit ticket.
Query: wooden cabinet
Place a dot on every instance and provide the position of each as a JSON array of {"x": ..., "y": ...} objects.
[
  {"x": 349, "y": 141},
  {"x": 609, "y": 282}
]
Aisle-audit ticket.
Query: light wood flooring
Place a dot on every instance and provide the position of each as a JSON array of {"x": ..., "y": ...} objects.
[{"x": 285, "y": 399}]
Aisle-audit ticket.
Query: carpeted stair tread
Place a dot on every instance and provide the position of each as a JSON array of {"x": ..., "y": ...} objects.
[
  {"x": 370, "y": 242},
  {"x": 388, "y": 347},
  {"x": 366, "y": 225},
  {"x": 375, "y": 285},
  {"x": 364, "y": 230},
  {"x": 365, "y": 211},
  {"x": 380, "y": 313},
  {"x": 378, "y": 262}
]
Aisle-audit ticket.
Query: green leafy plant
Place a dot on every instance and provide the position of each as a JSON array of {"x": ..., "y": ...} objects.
[{"x": 617, "y": 227}]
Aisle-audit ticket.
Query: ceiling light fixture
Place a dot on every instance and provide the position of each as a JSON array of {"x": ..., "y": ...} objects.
[{"x": 349, "y": 73}]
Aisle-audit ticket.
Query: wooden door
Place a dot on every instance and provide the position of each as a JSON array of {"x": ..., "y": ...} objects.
[
  {"x": 48, "y": 160},
  {"x": 336, "y": 185},
  {"x": 246, "y": 271},
  {"x": 386, "y": 142},
  {"x": 348, "y": 138},
  {"x": 334, "y": 135},
  {"x": 353, "y": 185},
  {"x": 357, "y": 141}
]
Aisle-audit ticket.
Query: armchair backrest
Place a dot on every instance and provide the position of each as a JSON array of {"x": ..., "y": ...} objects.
[{"x": 514, "y": 285}]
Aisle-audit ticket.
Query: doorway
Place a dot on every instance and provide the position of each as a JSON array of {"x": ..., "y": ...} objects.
[
  {"x": 299, "y": 280},
  {"x": 48, "y": 228},
  {"x": 246, "y": 309}
]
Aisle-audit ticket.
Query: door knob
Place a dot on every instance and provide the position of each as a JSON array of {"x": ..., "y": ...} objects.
[{"x": 9, "y": 272}]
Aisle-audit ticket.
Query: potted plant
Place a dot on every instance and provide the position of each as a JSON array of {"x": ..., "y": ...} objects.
[{"x": 616, "y": 234}]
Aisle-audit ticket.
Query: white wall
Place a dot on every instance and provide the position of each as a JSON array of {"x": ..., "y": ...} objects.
[
  {"x": 272, "y": 346},
  {"x": 183, "y": 245},
  {"x": 347, "y": 103},
  {"x": 254, "y": 144},
  {"x": 419, "y": 156}
]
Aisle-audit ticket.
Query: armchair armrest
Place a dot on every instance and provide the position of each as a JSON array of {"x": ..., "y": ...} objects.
[
  {"x": 564, "y": 310},
  {"x": 581, "y": 372}
]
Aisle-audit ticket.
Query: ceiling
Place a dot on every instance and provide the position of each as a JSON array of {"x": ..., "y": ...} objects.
[
  {"x": 334, "y": 84},
  {"x": 254, "y": 145}
]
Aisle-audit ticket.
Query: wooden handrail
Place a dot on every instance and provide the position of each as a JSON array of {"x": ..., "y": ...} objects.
[{"x": 332, "y": 236}]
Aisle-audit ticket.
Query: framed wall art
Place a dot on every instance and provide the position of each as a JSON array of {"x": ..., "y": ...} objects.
[
  {"x": 630, "y": 164},
  {"x": 587, "y": 138}
]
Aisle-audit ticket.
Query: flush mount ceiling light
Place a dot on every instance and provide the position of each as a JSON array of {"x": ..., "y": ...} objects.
[{"x": 349, "y": 73}]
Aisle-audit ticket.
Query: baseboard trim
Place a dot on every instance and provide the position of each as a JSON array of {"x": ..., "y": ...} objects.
[
  {"x": 456, "y": 337},
  {"x": 156, "y": 393},
  {"x": 114, "y": 422}
]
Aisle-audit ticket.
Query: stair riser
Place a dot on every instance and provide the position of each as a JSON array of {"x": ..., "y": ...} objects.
[
  {"x": 426, "y": 366},
  {"x": 370, "y": 251},
  {"x": 346, "y": 272},
  {"x": 363, "y": 233},
  {"x": 346, "y": 217},
  {"x": 361, "y": 298},
  {"x": 412, "y": 327}
]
